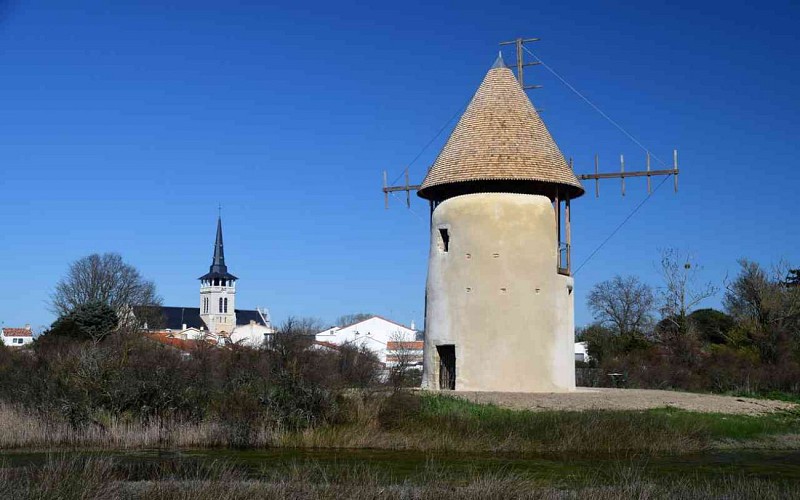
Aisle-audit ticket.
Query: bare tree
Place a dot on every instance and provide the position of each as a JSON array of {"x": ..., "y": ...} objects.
[
  {"x": 104, "y": 279},
  {"x": 300, "y": 326},
  {"x": 682, "y": 290},
  {"x": 349, "y": 319},
  {"x": 294, "y": 335},
  {"x": 623, "y": 304},
  {"x": 400, "y": 360}
]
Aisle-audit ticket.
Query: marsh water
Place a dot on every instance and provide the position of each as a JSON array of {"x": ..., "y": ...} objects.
[{"x": 410, "y": 465}]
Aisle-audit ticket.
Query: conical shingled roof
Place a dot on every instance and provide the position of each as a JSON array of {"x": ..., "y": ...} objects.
[{"x": 500, "y": 143}]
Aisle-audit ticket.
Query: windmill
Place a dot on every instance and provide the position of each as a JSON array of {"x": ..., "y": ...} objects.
[{"x": 499, "y": 308}]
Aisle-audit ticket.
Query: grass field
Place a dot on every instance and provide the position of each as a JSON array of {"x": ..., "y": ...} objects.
[{"x": 433, "y": 423}]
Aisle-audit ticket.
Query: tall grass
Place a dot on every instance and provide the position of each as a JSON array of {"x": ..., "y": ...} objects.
[
  {"x": 106, "y": 479},
  {"x": 28, "y": 430},
  {"x": 441, "y": 423},
  {"x": 428, "y": 423}
]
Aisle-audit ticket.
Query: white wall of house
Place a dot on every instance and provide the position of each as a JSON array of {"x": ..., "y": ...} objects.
[
  {"x": 15, "y": 340},
  {"x": 581, "y": 351},
  {"x": 373, "y": 333},
  {"x": 251, "y": 335},
  {"x": 409, "y": 353}
]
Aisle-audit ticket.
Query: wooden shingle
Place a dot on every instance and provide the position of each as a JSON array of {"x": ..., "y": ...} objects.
[{"x": 500, "y": 137}]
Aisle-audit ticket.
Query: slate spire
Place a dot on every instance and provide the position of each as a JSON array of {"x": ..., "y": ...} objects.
[
  {"x": 218, "y": 269},
  {"x": 218, "y": 264}
]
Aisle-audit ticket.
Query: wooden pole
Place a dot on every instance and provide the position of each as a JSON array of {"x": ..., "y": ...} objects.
[
  {"x": 675, "y": 166},
  {"x": 385, "y": 192},
  {"x": 596, "y": 179},
  {"x": 520, "y": 76},
  {"x": 558, "y": 227},
  {"x": 568, "y": 219},
  {"x": 408, "y": 191}
]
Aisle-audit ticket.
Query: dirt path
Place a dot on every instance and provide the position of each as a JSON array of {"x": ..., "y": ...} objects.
[{"x": 626, "y": 399}]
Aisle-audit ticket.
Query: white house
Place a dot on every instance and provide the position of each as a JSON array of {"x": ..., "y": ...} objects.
[
  {"x": 17, "y": 337},
  {"x": 374, "y": 333},
  {"x": 582, "y": 351},
  {"x": 408, "y": 352}
]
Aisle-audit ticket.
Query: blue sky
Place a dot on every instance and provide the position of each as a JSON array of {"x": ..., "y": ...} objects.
[{"x": 126, "y": 123}]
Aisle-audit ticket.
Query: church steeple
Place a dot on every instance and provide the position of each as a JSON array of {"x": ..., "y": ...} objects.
[
  {"x": 218, "y": 269},
  {"x": 218, "y": 264},
  {"x": 218, "y": 291}
]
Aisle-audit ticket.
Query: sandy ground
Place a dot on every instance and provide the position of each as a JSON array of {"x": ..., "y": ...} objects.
[{"x": 625, "y": 399}]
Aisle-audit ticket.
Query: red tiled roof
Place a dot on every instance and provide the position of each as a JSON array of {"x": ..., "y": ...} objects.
[
  {"x": 17, "y": 332},
  {"x": 182, "y": 344},
  {"x": 329, "y": 345},
  {"x": 412, "y": 345}
]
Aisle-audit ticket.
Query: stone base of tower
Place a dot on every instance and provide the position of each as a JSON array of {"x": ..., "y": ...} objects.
[{"x": 499, "y": 317}]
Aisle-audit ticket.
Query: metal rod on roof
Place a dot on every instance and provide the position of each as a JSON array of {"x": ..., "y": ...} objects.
[{"x": 524, "y": 40}]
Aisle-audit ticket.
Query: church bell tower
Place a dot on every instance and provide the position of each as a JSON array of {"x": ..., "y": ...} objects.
[{"x": 218, "y": 292}]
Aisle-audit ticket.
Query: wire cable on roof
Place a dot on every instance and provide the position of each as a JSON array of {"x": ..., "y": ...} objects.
[
  {"x": 633, "y": 212},
  {"x": 409, "y": 208},
  {"x": 593, "y": 105},
  {"x": 457, "y": 113},
  {"x": 627, "y": 134}
]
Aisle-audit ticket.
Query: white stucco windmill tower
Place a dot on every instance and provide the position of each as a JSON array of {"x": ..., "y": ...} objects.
[{"x": 499, "y": 303}]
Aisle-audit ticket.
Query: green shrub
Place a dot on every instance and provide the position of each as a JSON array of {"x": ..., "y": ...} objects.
[{"x": 400, "y": 408}]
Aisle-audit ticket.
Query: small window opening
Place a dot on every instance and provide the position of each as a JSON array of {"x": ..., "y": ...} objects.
[{"x": 444, "y": 237}]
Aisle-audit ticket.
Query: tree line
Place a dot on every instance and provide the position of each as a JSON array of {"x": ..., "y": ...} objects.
[{"x": 663, "y": 338}]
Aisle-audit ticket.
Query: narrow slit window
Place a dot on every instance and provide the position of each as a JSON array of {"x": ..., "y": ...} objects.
[{"x": 444, "y": 239}]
